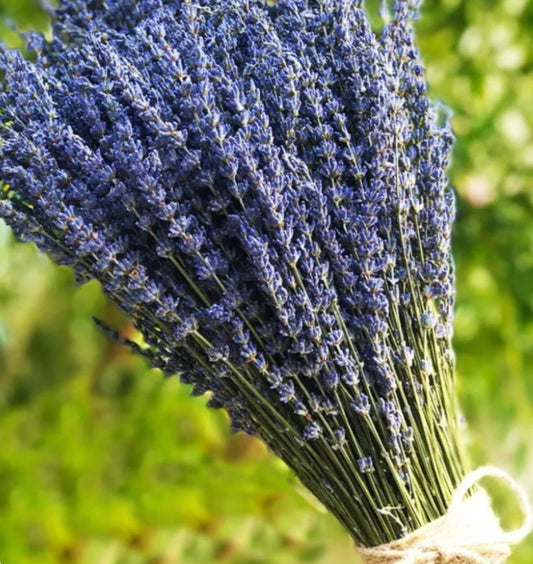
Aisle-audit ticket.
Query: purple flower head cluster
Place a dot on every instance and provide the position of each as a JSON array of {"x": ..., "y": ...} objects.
[{"x": 261, "y": 186}]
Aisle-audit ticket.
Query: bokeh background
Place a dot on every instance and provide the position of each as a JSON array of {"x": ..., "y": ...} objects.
[{"x": 103, "y": 461}]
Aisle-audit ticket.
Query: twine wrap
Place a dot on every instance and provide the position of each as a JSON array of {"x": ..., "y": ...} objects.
[{"x": 469, "y": 532}]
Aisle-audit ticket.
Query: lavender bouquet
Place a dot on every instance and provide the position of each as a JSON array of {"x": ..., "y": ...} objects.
[{"x": 261, "y": 185}]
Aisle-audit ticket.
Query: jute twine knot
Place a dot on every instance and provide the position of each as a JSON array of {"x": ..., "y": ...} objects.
[{"x": 469, "y": 532}]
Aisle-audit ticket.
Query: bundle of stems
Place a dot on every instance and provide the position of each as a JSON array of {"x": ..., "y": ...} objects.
[{"x": 261, "y": 186}]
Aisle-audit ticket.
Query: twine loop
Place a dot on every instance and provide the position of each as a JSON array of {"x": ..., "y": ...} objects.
[{"x": 469, "y": 532}]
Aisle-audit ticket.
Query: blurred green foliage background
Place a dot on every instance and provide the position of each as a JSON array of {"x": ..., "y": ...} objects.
[{"x": 104, "y": 462}]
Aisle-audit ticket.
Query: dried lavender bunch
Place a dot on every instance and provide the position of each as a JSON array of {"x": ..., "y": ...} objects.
[{"x": 261, "y": 186}]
